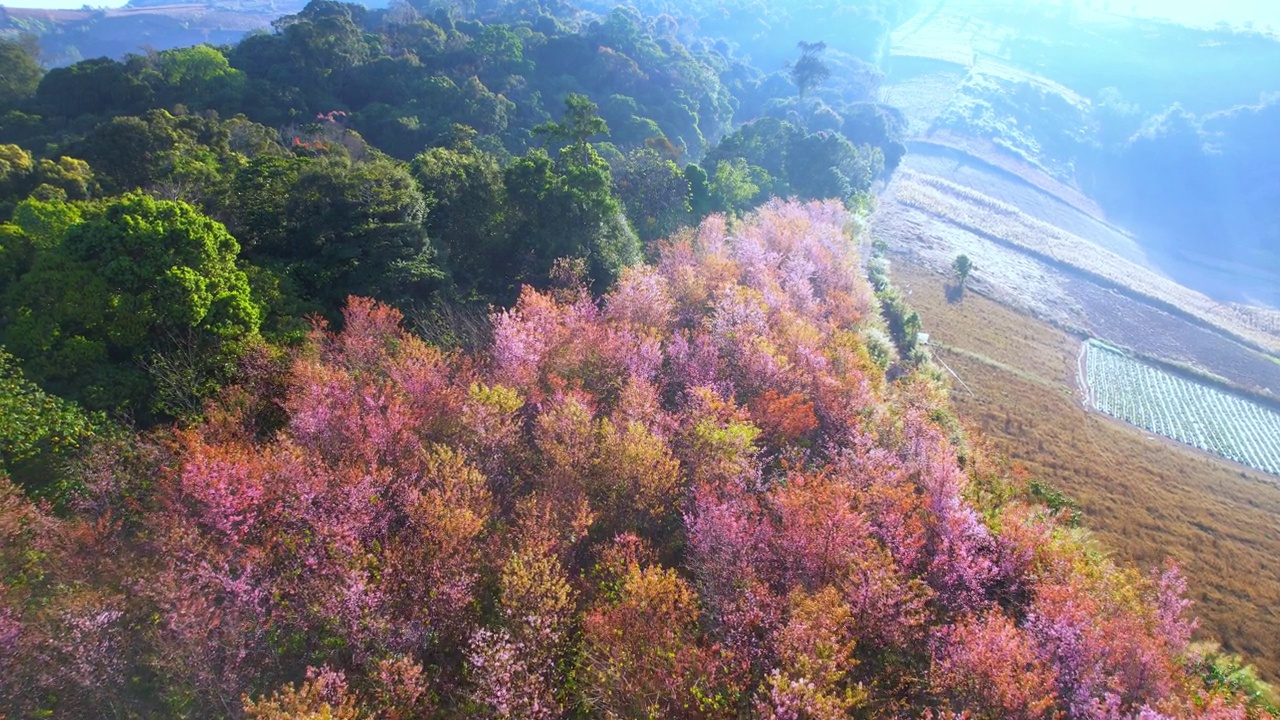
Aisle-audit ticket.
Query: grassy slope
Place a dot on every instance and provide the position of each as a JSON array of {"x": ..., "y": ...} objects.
[
  {"x": 1144, "y": 497},
  {"x": 977, "y": 212}
]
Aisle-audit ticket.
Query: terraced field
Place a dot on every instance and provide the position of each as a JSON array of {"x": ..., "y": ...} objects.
[{"x": 1181, "y": 409}]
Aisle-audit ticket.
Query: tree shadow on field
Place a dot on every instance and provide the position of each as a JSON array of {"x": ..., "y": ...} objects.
[{"x": 955, "y": 292}]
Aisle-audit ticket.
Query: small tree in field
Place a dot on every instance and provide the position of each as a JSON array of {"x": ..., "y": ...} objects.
[{"x": 962, "y": 266}]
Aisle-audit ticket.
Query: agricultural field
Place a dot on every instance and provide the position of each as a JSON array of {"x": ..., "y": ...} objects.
[
  {"x": 975, "y": 211},
  {"x": 1143, "y": 500},
  {"x": 1182, "y": 409},
  {"x": 1017, "y": 185},
  {"x": 922, "y": 89}
]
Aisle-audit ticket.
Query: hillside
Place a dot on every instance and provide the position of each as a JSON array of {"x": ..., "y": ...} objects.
[
  {"x": 68, "y": 36},
  {"x": 1030, "y": 154},
  {"x": 1161, "y": 126},
  {"x": 1068, "y": 216},
  {"x": 549, "y": 360},
  {"x": 699, "y": 495},
  {"x": 1146, "y": 498}
]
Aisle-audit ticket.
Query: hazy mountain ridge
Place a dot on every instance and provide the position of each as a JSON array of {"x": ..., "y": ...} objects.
[
  {"x": 1097, "y": 101},
  {"x": 67, "y": 36}
]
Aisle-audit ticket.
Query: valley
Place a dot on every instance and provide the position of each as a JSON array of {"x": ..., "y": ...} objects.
[
  {"x": 1144, "y": 497},
  {"x": 999, "y": 170}
]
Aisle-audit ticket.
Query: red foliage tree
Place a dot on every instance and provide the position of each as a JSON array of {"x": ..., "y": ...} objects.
[{"x": 697, "y": 496}]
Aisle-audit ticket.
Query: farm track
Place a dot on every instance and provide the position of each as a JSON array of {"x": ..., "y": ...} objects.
[{"x": 996, "y": 364}]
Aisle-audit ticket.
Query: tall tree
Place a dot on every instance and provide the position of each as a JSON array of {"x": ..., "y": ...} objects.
[
  {"x": 655, "y": 193},
  {"x": 464, "y": 191},
  {"x": 565, "y": 209},
  {"x": 20, "y": 73},
  {"x": 810, "y": 70},
  {"x": 581, "y": 122},
  {"x": 354, "y": 229}
]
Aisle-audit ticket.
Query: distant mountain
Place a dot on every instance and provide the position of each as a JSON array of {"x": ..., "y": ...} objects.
[
  {"x": 68, "y": 36},
  {"x": 1170, "y": 131}
]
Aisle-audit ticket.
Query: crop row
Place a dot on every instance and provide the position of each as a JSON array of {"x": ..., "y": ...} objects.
[{"x": 1184, "y": 410}]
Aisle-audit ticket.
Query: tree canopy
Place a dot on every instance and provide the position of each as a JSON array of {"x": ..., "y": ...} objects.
[
  {"x": 512, "y": 359},
  {"x": 131, "y": 282},
  {"x": 696, "y": 496}
]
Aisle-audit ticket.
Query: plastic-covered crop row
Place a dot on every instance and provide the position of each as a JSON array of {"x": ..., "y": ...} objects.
[{"x": 1182, "y": 409}]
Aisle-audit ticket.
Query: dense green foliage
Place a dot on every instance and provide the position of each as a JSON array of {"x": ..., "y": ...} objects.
[
  {"x": 35, "y": 425},
  {"x": 19, "y": 73},
  {"x": 123, "y": 289},
  {"x": 418, "y": 155}
]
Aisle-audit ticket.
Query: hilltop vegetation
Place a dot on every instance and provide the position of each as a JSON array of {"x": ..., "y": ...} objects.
[
  {"x": 695, "y": 497},
  {"x": 513, "y": 362},
  {"x": 425, "y": 162}
]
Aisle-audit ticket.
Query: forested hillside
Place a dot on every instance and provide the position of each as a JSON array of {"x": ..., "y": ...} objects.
[
  {"x": 696, "y": 496},
  {"x": 425, "y": 162},
  {"x": 514, "y": 361}
]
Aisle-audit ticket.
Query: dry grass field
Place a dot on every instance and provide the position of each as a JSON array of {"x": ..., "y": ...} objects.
[
  {"x": 970, "y": 209},
  {"x": 1144, "y": 497}
]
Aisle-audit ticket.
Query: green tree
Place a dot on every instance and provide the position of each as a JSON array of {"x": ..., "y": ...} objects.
[
  {"x": 121, "y": 291},
  {"x": 763, "y": 143},
  {"x": 326, "y": 36},
  {"x": 93, "y": 87},
  {"x": 700, "y": 201},
  {"x": 332, "y": 227},
  {"x": 35, "y": 427},
  {"x": 131, "y": 152},
  {"x": 826, "y": 165},
  {"x": 199, "y": 77},
  {"x": 880, "y": 126},
  {"x": 45, "y": 222},
  {"x": 581, "y": 122},
  {"x": 809, "y": 71},
  {"x": 16, "y": 254},
  {"x": 20, "y": 73},
  {"x": 15, "y": 164},
  {"x": 497, "y": 51},
  {"x": 354, "y": 229},
  {"x": 904, "y": 323},
  {"x": 463, "y": 186},
  {"x": 36, "y": 226},
  {"x": 253, "y": 206},
  {"x": 736, "y": 185},
  {"x": 962, "y": 266},
  {"x": 183, "y": 156},
  {"x": 71, "y": 177},
  {"x": 655, "y": 193},
  {"x": 16, "y": 178},
  {"x": 564, "y": 209}
]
